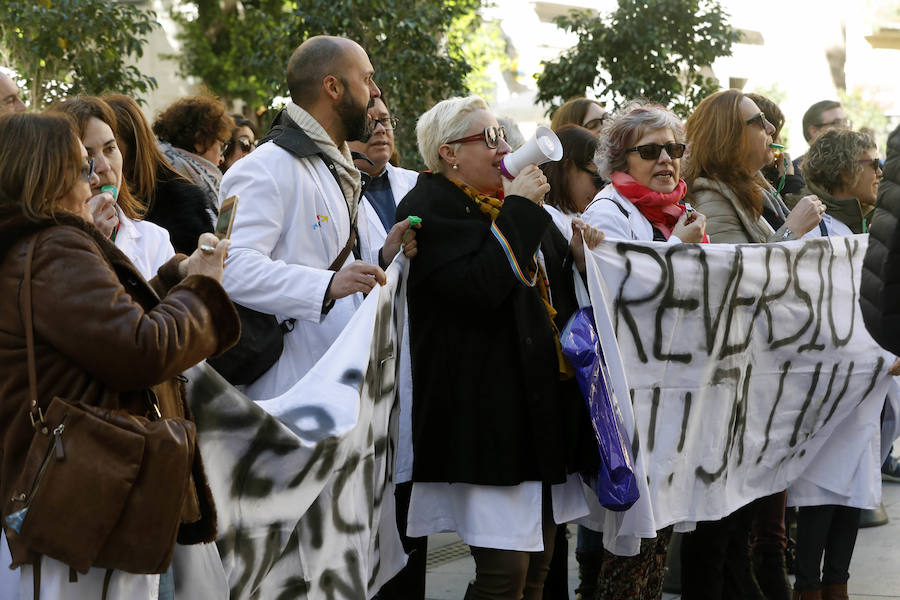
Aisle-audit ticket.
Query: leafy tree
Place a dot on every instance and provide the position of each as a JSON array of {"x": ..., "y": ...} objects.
[
  {"x": 63, "y": 47},
  {"x": 240, "y": 51},
  {"x": 864, "y": 110},
  {"x": 654, "y": 49}
]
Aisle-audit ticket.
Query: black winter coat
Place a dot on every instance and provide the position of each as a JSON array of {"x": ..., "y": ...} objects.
[
  {"x": 179, "y": 207},
  {"x": 879, "y": 296},
  {"x": 488, "y": 405}
]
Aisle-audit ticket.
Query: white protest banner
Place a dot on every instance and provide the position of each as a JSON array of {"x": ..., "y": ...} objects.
[
  {"x": 302, "y": 482},
  {"x": 740, "y": 362}
]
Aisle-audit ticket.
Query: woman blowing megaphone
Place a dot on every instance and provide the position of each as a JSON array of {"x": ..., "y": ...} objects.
[{"x": 508, "y": 427}]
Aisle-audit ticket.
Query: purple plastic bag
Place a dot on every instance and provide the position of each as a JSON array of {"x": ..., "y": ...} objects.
[{"x": 614, "y": 483}]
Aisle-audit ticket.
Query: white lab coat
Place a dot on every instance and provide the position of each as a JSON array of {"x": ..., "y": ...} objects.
[
  {"x": 146, "y": 244},
  {"x": 372, "y": 234},
  {"x": 371, "y": 231},
  {"x": 292, "y": 221}
]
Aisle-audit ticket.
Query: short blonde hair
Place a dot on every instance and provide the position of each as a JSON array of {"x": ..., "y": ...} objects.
[{"x": 447, "y": 120}]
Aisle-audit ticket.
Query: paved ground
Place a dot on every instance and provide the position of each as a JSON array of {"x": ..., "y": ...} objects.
[{"x": 874, "y": 572}]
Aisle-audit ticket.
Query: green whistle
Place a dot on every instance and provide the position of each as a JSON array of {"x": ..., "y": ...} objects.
[
  {"x": 413, "y": 221},
  {"x": 110, "y": 189}
]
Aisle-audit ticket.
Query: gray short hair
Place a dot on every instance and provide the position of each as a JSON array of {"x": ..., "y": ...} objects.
[
  {"x": 626, "y": 127},
  {"x": 446, "y": 120}
]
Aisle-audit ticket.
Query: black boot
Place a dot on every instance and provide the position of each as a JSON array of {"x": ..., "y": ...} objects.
[
  {"x": 740, "y": 582},
  {"x": 771, "y": 574},
  {"x": 588, "y": 573}
]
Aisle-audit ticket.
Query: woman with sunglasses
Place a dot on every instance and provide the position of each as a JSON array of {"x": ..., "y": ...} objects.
[
  {"x": 194, "y": 133},
  {"x": 242, "y": 143},
  {"x": 640, "y": 152},
  {"x": 103, "y": 334},
  {"x": 730, "y": 141},
  {"x": 499, "y": 428},
  {"x": 171, "y": 201},
  {"x": 842, "y": 168}
]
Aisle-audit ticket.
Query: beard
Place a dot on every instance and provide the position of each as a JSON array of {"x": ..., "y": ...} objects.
[{"x": 355, "y": 118}]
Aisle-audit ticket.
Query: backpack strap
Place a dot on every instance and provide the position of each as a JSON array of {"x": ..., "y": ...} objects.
[{"x": 625, "y": 214}]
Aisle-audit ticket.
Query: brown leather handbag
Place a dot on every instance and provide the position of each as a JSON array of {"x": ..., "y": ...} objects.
[{"x": 99, "y": 488}]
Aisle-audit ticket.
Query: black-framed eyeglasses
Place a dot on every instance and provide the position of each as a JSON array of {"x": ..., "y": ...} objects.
[
  {"x": 596, "y": 178},
  {"x": 389, "y": 123},
  {"x": 87, "y": 171},
  {"x": 596, "y": 123},
  {"x": 875, "y": 163},
  {"x": 491, "y": 136},
  {"x": 652, "y": 151},
  {"x": 759, "y": 118},
  {"x": 844, "y": 123}
]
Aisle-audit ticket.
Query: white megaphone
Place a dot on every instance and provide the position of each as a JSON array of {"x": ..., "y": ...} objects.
[{"x": 542, "y": 148}]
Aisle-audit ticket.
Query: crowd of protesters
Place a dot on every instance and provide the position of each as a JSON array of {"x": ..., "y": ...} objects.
[{"x": 113, "y": 284}]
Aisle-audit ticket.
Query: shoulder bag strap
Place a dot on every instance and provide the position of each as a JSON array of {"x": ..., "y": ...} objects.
[
  {"x": 348, "y": 247},
  {"x": 351, "y": 241},
  {"x": 37, "y": 417}
]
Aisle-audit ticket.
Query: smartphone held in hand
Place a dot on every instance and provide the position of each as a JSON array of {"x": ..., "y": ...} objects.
[{"x": 226, "y": 217}]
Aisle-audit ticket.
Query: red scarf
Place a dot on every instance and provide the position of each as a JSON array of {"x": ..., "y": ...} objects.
[{"x": 662, "y": 210}]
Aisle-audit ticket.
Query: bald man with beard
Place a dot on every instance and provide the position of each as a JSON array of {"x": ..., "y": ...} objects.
[{"x": 294, "y": 245}]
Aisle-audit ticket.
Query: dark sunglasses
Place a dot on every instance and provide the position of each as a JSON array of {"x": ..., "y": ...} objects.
[
  {"x": 388, "y": 123},
  {"x": 87, "y": 171},
  {"x": 875, "y": 163},
  {"x": 595, "y": 177},
  {"x": 491, "y": 136},
  {"x": 759, "y": 119},
  {"x": 245, "y": 145},
  {"x": 652, "y": 151}
]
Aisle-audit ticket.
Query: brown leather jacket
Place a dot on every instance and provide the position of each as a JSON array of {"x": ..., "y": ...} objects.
[{"x": 102, "y": 336}]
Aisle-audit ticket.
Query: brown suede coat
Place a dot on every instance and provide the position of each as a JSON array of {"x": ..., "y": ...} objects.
[{"x": 102, "y": 336}]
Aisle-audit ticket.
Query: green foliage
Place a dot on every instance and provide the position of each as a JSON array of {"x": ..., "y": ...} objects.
[
  {"x": 864, "y": 111},
  {"x": 478, "y": 43},
  {"x": 653, "y": 49},
  {"x": 240, "y": 51},
  {"x": 63, "y": 47}
]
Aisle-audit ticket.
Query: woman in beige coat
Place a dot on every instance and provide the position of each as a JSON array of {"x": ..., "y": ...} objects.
[{"x": 729, "y": 141}]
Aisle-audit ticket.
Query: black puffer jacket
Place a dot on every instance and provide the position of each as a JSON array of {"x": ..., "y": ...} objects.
[{"x": 880, "y": 289}]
